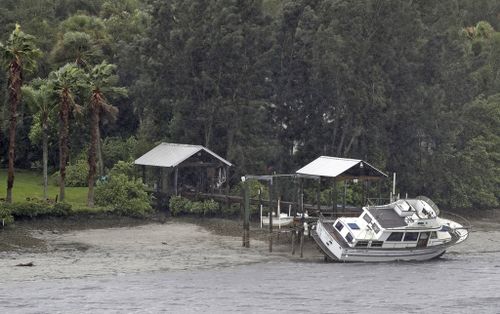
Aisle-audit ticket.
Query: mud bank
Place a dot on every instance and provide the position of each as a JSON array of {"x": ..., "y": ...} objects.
[{"x": 60, "y": 249}]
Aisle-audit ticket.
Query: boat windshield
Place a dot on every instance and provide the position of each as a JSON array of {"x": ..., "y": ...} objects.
[{"x": 423, "y": 209}]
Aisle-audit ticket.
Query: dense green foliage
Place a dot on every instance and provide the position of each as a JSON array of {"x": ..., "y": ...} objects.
[
  {"x": 36, "y": 208},
  {"x": 411, "y": 86},
  {"x": 179, "y": 205},
  {"x": 5, "y": 216},
  {"x": 76, "y": 174},
  {"x": 125, "y": 194}
]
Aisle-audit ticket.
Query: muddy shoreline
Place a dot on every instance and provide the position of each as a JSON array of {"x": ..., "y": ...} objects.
[{"x": 22, "y": 234}]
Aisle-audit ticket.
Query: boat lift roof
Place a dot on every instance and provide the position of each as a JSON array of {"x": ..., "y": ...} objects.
[
  {"x": 171, "y": 155},
  {"x": 342, "y": 168}
]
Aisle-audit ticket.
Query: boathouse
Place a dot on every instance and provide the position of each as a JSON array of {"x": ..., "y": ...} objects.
[
  {"x": 345, "y": 170},
  {"x": 172, "y": 168}
]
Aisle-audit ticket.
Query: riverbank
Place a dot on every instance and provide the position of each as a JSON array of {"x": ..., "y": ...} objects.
[
  {"x": 73, "y": 247},
  {"x": 66, "y": 248}
]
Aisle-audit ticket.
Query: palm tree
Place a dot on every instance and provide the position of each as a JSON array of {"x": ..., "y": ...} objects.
[
  {"x": 102, "y": 80},
  {"x": 18, "y": 55},
  {"x": 38, "y": 96},
  {"x": 66, "y": 82}
]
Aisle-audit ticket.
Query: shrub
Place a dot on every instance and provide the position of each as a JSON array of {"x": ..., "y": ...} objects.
[
  {"x": 182, "y": 206},
  {"x": 115, "y": 149},
  {"x": 5, "y": 216},
  {"x": 179, "y": 205},
  {"x": 123, "y": 167},
  {"x": 37, "y": 208},
  {"x": 61, "y": 209},
  {"x": 125, "y": 195},
  {"x": 76, "y": 174},
  {"x": 210, "y": 207}
]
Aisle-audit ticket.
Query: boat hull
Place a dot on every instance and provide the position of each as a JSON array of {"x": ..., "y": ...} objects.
[
  {"x": 278, "y": 222},
  {"x": 339, "y": 252}
]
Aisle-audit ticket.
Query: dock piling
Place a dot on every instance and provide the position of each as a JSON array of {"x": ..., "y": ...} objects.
[
  {"x": 246, "y": 217},
  {"x": 301, "y": 243},
  {"x": 270, "y": 216}
]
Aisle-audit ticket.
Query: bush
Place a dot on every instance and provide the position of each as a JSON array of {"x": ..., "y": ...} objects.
[
  {"x": 115, "y": 149},
  {"x": 37, "y": 208},
  {"x": 123, "y": 167},
  {"x": 76, "y": 174},
  {"x": 5, "y": 216},
  {"x": 125, "y": 195},
  {"x": 182, "y": 206},
  {"x": 179, "y": 205}
]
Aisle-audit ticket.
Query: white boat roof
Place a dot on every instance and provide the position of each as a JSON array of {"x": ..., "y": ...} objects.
[
  {"x": 172, "y": 154},
  {"x": 326, "y": 166}
]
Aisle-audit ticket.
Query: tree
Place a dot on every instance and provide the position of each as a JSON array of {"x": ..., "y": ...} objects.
[
  {"x": 18, "y": 55},
  {"x": 102, "y": 81},
  {"x": 66, "y": 82},
  {"x": 39, "y": 98}
]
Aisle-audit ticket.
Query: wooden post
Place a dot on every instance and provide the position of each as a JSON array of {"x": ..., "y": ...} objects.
[
  {"x": 379, "y": 201},
  {"x": 176, "y": 177},
  {"x": 228, "y": 203},
  {"x": 302, "y": 220},
  {"x": 363, "y": 192},
  {"x": 318, "y": 195},
  {"x": 345, "y": 193},
  {"x": 334, "y": 195},
  {"x": 301, "y": 243},
  {"x": 143, "y": 174},
  {"x": 246, "y": 222},
  {"x": 293, "y": 242},
  {"x": 271, "y": 215},
  {"x": 301, "y": 196},
  {"x": 260, "y": 208}
]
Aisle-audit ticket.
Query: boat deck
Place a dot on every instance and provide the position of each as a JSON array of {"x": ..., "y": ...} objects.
[{"x": 387, "y": 217}]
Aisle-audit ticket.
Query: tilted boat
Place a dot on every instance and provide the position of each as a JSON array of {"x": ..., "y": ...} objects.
[{"x": 404, "y": 230}]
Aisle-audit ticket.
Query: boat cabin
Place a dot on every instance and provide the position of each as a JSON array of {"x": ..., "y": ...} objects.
[{"x": 402, "y": 224}]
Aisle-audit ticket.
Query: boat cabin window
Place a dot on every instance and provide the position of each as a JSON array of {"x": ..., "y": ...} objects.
[
  {"x": 434, "y": 235},
  {"x": 353, "y": 226},
  {"x": 367, "y": 218},
  {"x": 395, "y": 236},
  {"x": 362, "y": 244},
  {"x": 339, "y": 226},
  {"x": 348, "y": 237},
  {"x": 377, "y": 243},
  {"x": 375, "y": 228},
  {"x": 411, "y": 236}
]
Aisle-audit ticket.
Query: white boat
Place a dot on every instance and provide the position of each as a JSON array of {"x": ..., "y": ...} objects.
[
  {"x": 282, "y": 220},
  {"x": 405, "y": 230}
]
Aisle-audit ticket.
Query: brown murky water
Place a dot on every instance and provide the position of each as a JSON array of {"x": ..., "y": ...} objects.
[{"x": 180, "y": 267}]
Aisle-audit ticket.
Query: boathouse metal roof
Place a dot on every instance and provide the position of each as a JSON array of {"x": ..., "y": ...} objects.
[
  {"x": 346, "y": 168},
  {"x": 171, "y": 155}
]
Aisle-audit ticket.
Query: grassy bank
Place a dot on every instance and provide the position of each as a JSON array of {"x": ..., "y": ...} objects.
[{"x": 29, "y": 184}]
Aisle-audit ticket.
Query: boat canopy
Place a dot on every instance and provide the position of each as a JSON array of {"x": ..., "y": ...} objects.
[
  {"x": 342, "y": 168},
  {"x": 172, "y": 155}
]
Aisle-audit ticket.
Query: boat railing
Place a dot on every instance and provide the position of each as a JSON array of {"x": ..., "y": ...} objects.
[
  {"x": 459, "y": 234},
  {"x": 375, "y": 201},
  {"x": 466, "y": 224}
]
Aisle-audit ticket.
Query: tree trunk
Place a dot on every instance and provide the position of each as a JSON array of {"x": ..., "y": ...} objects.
[
  {"x": 63, "y": 141},
  {"x": 100, "y": 160},
  {"x": 15, "y": 82},
  {"x": 45, "y": 144},
  {"x": 94, "y": 138}
]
